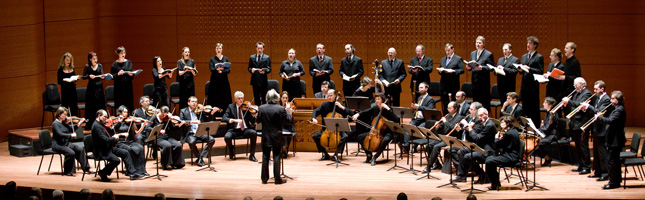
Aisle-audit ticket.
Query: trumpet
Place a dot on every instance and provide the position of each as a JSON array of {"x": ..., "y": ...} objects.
[
  {"x": 554, "y": 109},
  {"x": 592, "y": 120},
  {"x": 572, "y": 113}
]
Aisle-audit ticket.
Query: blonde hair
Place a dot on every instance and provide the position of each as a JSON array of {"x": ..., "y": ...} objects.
[
  {"x": 220, "y": 45},
  {"x": 62, "y": 61}
]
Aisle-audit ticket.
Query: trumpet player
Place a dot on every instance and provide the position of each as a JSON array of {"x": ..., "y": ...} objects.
[
  {"x": 580, "y": 138},
  {"x": 598, "y": 130},
  {"x": 615, "y": 138}
]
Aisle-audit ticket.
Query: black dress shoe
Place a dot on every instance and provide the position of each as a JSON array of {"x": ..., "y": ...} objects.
[
  {"x": 133, "y": 177},
  {"x": 283, "y": 181},
  {"x": 264, "y": 182},
  {"x": 576, "y": 169},
  {"x": 368, "y": 159},
  {"x": 89, "y": 171},
  {"x": 459, "y": 179},
  {"x": 584, "y": 171},
  {"x": 547, "y": 162},
  {"x": 373, "y": 161},
  {"x": 104, "y": 177},
  {"x": 426, "y": 170},
  {"x": 482, "y": 180},
  {"x": 593, "y": 176},
  {"x": 325, "y": 157},
  {"x": 252, "y": 158},
  {"x": 231, "y": 156},
  {"x": 610, "y": 186},
  {"x": 436, "y": 166},
  {"x": 68, "y": 174},
  {"x": 200, "y": 162},
  {"x": 602, "y": 178},
  {"x": 496, "y": 187}
]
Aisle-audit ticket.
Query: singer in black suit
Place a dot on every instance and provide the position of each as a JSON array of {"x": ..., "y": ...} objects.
[
  {"x": 105, "y": 142},
  {"x": 241, "y": 122},
  {"x": 615, "y": 138},
  {"x": 450, "y": 79},
  {"x": 481, "y": 73},
  {"x": 507, "y": 151},
  {"x": 423, "y": 74},
  {"x": 511, "y": 107},
  {"x": 580, "y": 137},
  {"x": 554, "y": 87},
  {"x": 392, "y": 76},
  {"x": 550, "y": 129},
  {"x": 290, "y": 71},
  {"x": 259, "y": 67},
  {"x": 272, "y": 116},
  {"x": 320, "y": 68},
  {"x": 350, "y": 66},
  {"x": 62, "y": 133},
  {"x": 506, "y": 83},
  {"x": 530, "y": 90},
  {"x": 599, "y": 130},
  {"x": 571, "y": 68},
  {"x": 191, "y": 117}
]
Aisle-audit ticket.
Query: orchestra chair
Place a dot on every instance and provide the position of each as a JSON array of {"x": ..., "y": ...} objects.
[
  {"x": 206, "y": 91},
  {"x": 51, "y": 101},
  {"x": 149, "y": 90},
  {"x": 45, "y": 139},
  {"x": 494, "y": 95},
  {"x": 467, "y": 87},
  {"x": 332, "y": 85},
  {"x": 563, "y": 132},
  {"x": 633, "y": 147},
  {"x": 81, "y": 99},
  {"x": 226, "y": 149},
  {"x": 638, "y": 161},
  {"x": 517, "y": 166},
  {"x": 96, "y": 156},
  {"x": 273, "y": 84},
  {"x": 174, "y": 94},
  {"x": 303, "y": 89},
  {"x": 435, "y": 92},
  {"x": 109, "y": 98}
]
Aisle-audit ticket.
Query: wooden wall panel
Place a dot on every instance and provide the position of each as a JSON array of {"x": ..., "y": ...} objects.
[
  {"x": 21, "y": 12},
  {"x": 138, "y": 8},
  {"x": 70, "y": 10},
  {"x": 76, "y": 36},
  {"x": 603, "y": 39}
]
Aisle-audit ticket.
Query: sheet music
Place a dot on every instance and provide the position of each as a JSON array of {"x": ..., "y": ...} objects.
[
  {"x": 71, "y": 78},
  {"x": 537, "y": 131},
  {"x": 540, "y": 78},
  {"x": 497, "y": 70}
]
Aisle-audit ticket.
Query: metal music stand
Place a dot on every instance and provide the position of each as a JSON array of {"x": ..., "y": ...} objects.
[
  {"x": 396, "y": 128},
  {"x": 258, "y": 128},
  {"x": 153, "y": 137},
  {"x": 414, "y": 131},
  {"x": 403, "y": 112},
  {"x": 337, "y": 125},
  {"x": 205, "y": 128},
  {"x": 358, "y": 102},
  {"x": 452, "y": 142},
  {"x": 472, "y": 147},
  {"x": 528, "y": 130},
  {"x": 431, "y": 114}
]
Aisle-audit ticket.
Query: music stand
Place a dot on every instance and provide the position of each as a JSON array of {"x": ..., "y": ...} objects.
[
  {"x": 358, "y": 102},
  {"x": 431, "y": 114},
  {"x": 153, "y": 136},
  {"x": 337, "y": 125},
  {"x": 403, "y": 112},
  {"x": 205, "y": 128},
  {"x": 396, "y": 128},
  {"x": 414, "y": 131},
  {"x": 450, "y": 141},
  {"x": 472, "y": 147},
  {"x": 528, "y": 130}
]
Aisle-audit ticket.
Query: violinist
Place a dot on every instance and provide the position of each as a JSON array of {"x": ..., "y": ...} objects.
[
  {"x": 326, "y": 108},
  {"x": 548, "y": 127},
  {"x": 193, "y": 116},
  {"x": 424, "y": 102},
  {"x": 104, "y": 142},
  {"x": 373, "y": 112},
  {"x": 445, "y": 126},
  {"x": 507, "y": 150},
  {"x": 284, "y": 102},
  {"x": 484, "y": 138},
  {"x": 128, "y": 125},
  {"x": 168, "y": 138},
  {"x": 63, "y": 132},
  {"x": 240, "y": 117},
  {"x": 145, "y": 111}
]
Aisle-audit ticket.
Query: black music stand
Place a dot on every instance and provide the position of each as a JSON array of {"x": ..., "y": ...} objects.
[
  {"x": 450, "y": 141},
  {"x": 396, "y": 128},
  {"x": 530, "y": 131},
  {"x": 414, "y": 131},
  {"x": 153, "y": 137},
  {"x": 429, "y": 136},
  {"x": 205, "y": 128},
  {"x": 432, "y": 114},
  {"x": 472, "y": 147},
  {"x": 337, "y": 125},
  {"x": 357, "y": 102},
  {"x": 403, "y": 112}
]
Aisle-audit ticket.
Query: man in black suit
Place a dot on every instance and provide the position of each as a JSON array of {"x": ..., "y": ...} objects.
[
  {"x": 598, "y": 130},
  {"x": 424, "y": 102},
  {"x": 532, "y": 63},
  {"x": 549, "y": 129},
  {"x": 190, "y": 116},
  {"x": 481, "y": 72},
  {"x": 272, "y": 116},
  {"x": 320, "y": 68},
  {"x": 460, "y": 98},
  {"x": 484, "y": 137},
  {"x": 325, "y": 108},
  {"x": 420, "y": 75},
  {"x": 615, "y": 138},
  {"x": 350, "y": 66},
  {"x": 322, "y": 93},
  {"x": 142, "y": 112},
  {"x": 259, "y": 67},
  {"x": 104, "y": 141},
  {"x": 580, "y": 137},
  {"x": 392, "y": 76},
  {"x": 506, "y": 83},
  {"x": 450, "y": 68},
  {"x": 240, "y": 122},
  {"x": 511, "y": 107},
  {"x": 507, "y": 151},
  {"x": 554, "y": 87},
  {"x": 448, "y": 123},
  {"x": 571, "y": 68}
]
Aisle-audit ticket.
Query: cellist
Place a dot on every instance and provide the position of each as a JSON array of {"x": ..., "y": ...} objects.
[
  {"x": 332, "y": 107},
  {"x": 378, "y": 111}
]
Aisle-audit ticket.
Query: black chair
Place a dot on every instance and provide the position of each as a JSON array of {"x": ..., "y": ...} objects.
[
  {"x": 435, "y": 92},
  {"x": 174, "y": 94},
  {"x": 633, "y": 162},
  {"x": 109, "y": 97},
  {"x": 149, "y": 89},
  {"x": 517, "y": 166},
  {"x": 88, "y": 141},
  {"x": 226, "y": 150},
  {"x": 51, "y": 101},
  {"x": 467, "y": 87},
  {"x": 633, "y": 147},
  {"x": 303, "y": 89},
  {"x": 332, "y": 84},
  {"x": 563, "y": 132},
  {"x": 273, "y": 84},
  {"x": 81, "y": 94},
  {"x": 46, "y": 149},
  {"x": 494, "y": 95},
  {"x": 206, "y": 91}
]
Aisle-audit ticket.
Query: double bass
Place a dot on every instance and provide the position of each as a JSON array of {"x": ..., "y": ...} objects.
[{"x": 332, "y": 137}]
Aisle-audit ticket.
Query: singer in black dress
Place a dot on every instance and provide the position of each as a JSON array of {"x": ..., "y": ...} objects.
[
  {"x": 160, "y": 95},
  {"x": 94, "y": 95},
  {"x": 122, "y": 81},
  {"x": 68, "y": 89},
  {"x": 219, "y": 89},
  {"x": 290, "y": 71},
  {"x": 186, "y": 77}
]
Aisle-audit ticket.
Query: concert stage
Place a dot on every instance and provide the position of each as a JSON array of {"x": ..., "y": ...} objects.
[{"x": 236, "y": 179}]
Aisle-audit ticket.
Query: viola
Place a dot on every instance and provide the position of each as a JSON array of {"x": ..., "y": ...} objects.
[
  {"x": 134, "y": 119},
  {"x": 247, "y": 106}
]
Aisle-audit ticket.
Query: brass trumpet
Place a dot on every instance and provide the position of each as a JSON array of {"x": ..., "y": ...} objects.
[
  {"x": 554, "y": 109},
  {"x": 592, "y": 120},
  {"x": 572, "y": 113}
]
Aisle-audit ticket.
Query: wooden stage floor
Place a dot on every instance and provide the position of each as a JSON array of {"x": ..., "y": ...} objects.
[{"x": 312, "y": 178}]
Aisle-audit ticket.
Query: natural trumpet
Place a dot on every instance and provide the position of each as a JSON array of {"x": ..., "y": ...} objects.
[
  {"x": 572, "y": 113},
  {"x": 554, "y": 109},
  {"x": 592, "y": 120}
]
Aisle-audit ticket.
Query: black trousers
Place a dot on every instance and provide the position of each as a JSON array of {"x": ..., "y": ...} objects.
[
  {"x": 387, "y": 138},
  {"x": 317, "y": 137},
  {"x": 581, "y": 139},
  {"x": 436, "y": 147},
  {"x": 465, "y": 159},
  {"x": 137, "y": 155},
  {"x": 613, "y": 163},
  {"x": 259, "y": 93},
  {"x": 72, "y": 151},
  {"x": 171, "y": 152},
  {"x": 266, "y": 153},
  {"x": 492, "y": 162},
  {"x": 543, "y": 144},
  {"x": 192, "y": 142},
  {"x": 395, "y": 94},
  {"x": 344, "y": 140},
  {"x": 599, "y": 163},
  {"x": 234, "y": 133}
]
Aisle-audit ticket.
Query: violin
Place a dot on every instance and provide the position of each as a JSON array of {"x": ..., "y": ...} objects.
[
  {"x": 247, "y": 106},
  {"x": 174, "y": 119},
  {"x": 76, "y": 120},
  {"x": 151, "y": 111},
  {"x": 131, "y": 119},
  {"x": 207, "y": 109},
  {"x": 111, "y": 121}
]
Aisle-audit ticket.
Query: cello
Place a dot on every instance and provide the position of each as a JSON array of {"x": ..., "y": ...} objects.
[{"x": 332, "y": 137}]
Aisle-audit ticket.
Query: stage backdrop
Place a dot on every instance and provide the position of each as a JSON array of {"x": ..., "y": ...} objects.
[{"x": 35, "y": 34}]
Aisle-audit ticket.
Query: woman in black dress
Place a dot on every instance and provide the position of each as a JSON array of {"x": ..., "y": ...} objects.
[
  {"x": 68, "y": 87},
  {"x": 160, "y": 95},
  {"x": 219, "y": 89},
  {"x": 94, "y": 95},
  {"x": 132, "y": 127},
  {"x": 63, "y": 132},
  {"x": 121, "y": 69},
  {"x": 284, "y": 101},
  {"x": 290, "y": 71},
  {"x": 186, "y": 77}
]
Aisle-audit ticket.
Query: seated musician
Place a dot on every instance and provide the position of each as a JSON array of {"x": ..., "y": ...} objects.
[
  {"x": 324, "y": 87},
  {"x": 446, "y": 125},
  {"x": 463, "y": 134},
  {"x": 145, "y": 111},
  {"x": 241, "y": 122},
  {"x": 511, "y": 107},
  {"x": 287, "y": 128},
  {"x": 323, "y": 110},
  {"x": 190, "y": 116},
  {"x": 367, "y": 90},
  {"x": 381, "y": 109},
  {"x": 168, "y": 138},
  {"x": 62, "y": 133},
  {"x": 128, "y": 126},
  {"x": 507, "y": 151},
  {"x": 104, "y": 141},
  {"x": 484, "y": 137},
  {"x": 424, "y": 102},
  {"x": 548, "y": 128}
]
